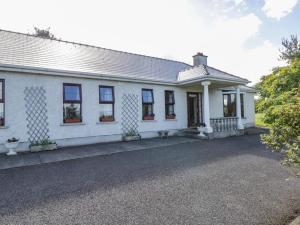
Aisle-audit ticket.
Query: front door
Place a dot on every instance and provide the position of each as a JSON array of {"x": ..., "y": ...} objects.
[{"x": 193, "y": 109}]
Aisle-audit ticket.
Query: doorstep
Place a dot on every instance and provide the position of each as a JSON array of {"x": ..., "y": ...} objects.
[{"x": 77, "y": 152}]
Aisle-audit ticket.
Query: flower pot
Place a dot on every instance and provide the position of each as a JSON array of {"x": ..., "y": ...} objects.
[
  {"x": 72, "y": 120},
  {"x": 38, "y": 148},
  {"x": 131, "y": 138},
  {"x": 11, "y": 146},
  {"x": 106, "y": 119},
  {"x": 170, "y": 117},
  {"x": 201, "y": 129},
  {"x": 148, "y": 118}
]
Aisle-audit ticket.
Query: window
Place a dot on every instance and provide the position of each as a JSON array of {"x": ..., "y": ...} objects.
[
  {"x": 72, "y": 103},
  {"x": 106, "y": 100},
  {"x": 242, "y": 106},
  {"x": 169, "y": 105},
  {"x": 148, "y": 101},
  {"x": 229, "y": 105},
  {"x": 2, "y": 121}
]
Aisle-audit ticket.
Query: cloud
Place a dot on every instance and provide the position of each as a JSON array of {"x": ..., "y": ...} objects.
[
  {"x": 174, "y": 29},
  {"x": 278, "y": 8},
  {"x": 226, "y": 47}
]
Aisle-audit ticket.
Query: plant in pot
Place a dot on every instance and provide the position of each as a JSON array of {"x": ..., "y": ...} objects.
[
  {"x": 106, "y": 118},
  {"x": 149, "y": 117},
  {"x": 11, "y": 144},
  {"x": 131, "y": 135},
  {"x": 43, "y": 145},
  {"x": 171, "y": 116},
  {"x": 71, "y": 119},
  {"x": 201, "y": 128},
  {"x": 71, "y": 115}
]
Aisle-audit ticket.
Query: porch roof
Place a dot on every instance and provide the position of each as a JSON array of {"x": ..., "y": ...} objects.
[{"x": 204, "y": 72}]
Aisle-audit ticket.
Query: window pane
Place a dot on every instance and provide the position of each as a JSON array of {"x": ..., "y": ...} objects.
[
  {"x": 106, "y": 94},
  {"x": 232, "y": 106},
  {"x": 225, "y": 105},
  {"x": 170, "y": 110},
  {"x": 169, "y": 97},
  {"x": 1, "y": 114},
  {"x": 232, "y": 96},
  {"x": 225, "y": 98},
  {"x": 72, "y": 93},
  {"x": 242, "y": 105},
  {"x": 1, "y": 88},
  {"x": 147, "y": 96},
  {"x": 71, "y": 111},
  {"x": 147, "y": 110},
  {"x": 106, "y": 110}
]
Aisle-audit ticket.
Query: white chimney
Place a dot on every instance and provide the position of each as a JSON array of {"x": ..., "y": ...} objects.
[{"x": 200, "y": 59}]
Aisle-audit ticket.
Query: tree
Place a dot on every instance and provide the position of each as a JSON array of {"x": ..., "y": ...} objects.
[
  {"x": 44, "y": 33},
  {"x": 280, "y": 101},
  {"x": 291, "y": 49}
]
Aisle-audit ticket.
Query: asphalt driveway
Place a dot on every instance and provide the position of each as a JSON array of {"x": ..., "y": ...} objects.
[{"x": 226, "y": 181}]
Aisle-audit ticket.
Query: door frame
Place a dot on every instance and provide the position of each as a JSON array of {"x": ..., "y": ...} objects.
[{"x": 199, "y": 107}]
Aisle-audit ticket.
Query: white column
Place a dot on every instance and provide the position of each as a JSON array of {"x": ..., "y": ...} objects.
[
  {"x": 238, "y": 108},
  {"x": 206, "y": 106}
]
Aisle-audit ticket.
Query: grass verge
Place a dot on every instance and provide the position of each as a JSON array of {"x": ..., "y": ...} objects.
[{"x": 259, "y": 120}]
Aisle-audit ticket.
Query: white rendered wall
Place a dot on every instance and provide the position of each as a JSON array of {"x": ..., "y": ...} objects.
[
  {"x": 91, "y": 131},
  {"x": 15, "y": 114}
]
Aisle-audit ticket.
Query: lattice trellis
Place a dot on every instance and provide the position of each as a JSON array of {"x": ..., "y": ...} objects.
[
  {"x": 130, "y": 113},
  {"x": 36, "y": 114}
]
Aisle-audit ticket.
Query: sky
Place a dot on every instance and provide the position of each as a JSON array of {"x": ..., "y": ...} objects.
[{"x": 239, "y": 36}]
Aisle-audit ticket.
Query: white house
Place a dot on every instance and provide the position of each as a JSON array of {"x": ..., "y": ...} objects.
[{"x": 80, "y": 94}]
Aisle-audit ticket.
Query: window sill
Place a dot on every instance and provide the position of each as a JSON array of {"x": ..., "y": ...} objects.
[
  {"x": 4, "y": 127},
  {"x": 71, "y": 124},
  {"x": 107, "y": 122},
  {"x": 170, "y": 119},
  {"x": 149, "y": 121}
]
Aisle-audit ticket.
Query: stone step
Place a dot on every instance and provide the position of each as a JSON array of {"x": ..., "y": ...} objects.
[{"x": 191, "y": 133}]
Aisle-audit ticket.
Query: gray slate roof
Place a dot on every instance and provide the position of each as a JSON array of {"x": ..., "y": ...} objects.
[{"x": 25, "y": 50}]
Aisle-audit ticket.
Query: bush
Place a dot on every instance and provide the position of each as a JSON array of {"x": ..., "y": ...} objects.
[{"x": 279, "y": 100}]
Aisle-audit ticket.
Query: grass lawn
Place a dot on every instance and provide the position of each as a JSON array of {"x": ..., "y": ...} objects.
[{"x": 259, "y": 120}]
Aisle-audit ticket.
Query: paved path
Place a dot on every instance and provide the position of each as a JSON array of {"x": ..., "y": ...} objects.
[
  {"x": 67, "y": 153},
  {"x": 226, "y": 181}
]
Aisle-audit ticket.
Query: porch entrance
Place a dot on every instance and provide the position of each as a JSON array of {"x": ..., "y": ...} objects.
[{"x": 194, "y": 105}]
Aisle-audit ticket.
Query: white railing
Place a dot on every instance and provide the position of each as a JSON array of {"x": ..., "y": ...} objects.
[{"x": 224, "y": 124}]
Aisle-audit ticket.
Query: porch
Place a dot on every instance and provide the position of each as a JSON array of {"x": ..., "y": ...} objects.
[
  {"x": 208, "y": 109},
  {"x": 221, "y": 127}
]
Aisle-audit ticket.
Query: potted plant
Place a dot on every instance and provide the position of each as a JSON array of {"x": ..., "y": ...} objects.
[
  {"x": 43, "y": 145},
  {"x": 104, "y": 118},
  {"x": 149, "y": 117},
  {"x": 131, "y": 135},
  {"x": 71, "y": 115},
  {"x": 11, "y": 144},
  {"x": 201, "y": 128},
  {"x": 171, "y": 116},
  {"x": 72, "y": 119}
]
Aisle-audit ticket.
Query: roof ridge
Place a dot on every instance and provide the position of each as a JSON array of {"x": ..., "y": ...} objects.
[{"x": 93, "y": 46}]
